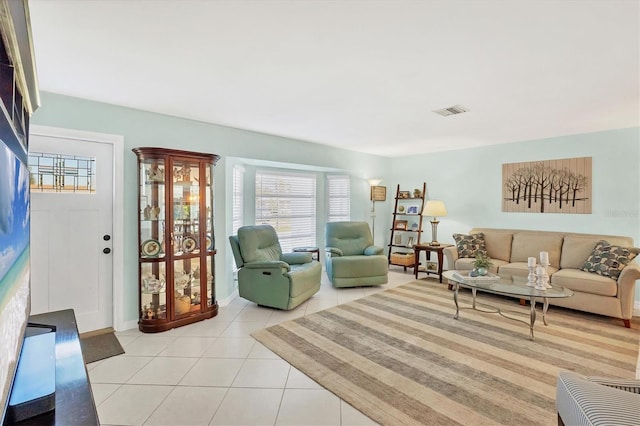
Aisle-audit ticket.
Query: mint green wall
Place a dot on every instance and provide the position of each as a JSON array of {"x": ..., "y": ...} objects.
[
  {"x": 470, "y": 184},
  {"x": 469, "y": 181},
  {"x": 141, "y": 128}
]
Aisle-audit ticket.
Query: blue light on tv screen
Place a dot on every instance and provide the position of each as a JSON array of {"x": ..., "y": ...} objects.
[{"x": 14, "y": 264}]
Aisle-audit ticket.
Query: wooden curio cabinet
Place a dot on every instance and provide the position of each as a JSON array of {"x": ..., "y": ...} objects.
[{"x": 176, "y": 243}]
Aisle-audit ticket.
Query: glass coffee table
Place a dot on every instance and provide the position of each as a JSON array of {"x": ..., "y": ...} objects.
[{"x": 514, "y": 287}]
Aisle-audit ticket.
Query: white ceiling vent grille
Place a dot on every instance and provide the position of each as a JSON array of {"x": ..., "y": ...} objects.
[{"x": 453, "y": 110}]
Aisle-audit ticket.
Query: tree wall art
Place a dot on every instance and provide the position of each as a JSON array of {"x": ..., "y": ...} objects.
[{"x": 549, "y": 186}]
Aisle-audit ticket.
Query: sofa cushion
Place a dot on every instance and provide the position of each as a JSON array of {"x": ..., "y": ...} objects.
[
  {"x": 585, "y": 282},
  {"x": 527, "y": 245},
  {"x": 609, "y": 260},
  {"x": 498, "y": 245},
  {"x": 466, "y": 264},
  {"x": 575, "y": 250},
  {"x": 519, "y": 269},
  {"x": 469, "y": 245}
]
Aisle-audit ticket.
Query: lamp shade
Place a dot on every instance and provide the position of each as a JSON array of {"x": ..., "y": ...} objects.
[
  {"x": 434, "y": 208},
  {"x": 374, "y": 181}
]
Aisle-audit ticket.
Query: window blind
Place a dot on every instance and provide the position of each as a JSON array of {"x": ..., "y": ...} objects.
[
  {"x": 238, "y": 185},
  {"x": 287, "y": 201},
  {"x": 338, "y": 198}
]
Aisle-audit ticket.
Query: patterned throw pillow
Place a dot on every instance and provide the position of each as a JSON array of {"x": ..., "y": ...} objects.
[
  {"x": 609, "y": 260},
  {"x": 470, "y": 245}
]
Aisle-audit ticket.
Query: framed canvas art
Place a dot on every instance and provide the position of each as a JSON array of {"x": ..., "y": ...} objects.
[{"x": 549, "y": 186}]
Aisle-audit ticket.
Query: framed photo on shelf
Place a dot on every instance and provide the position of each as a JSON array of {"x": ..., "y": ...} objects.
[
  {"x": 404, "y": 194},
  {"x": 410, "y": 242},
  {"x": 413, "y": 209},
  {"x": 400, "y": 225},
  {"x": 431, "y": 266}
]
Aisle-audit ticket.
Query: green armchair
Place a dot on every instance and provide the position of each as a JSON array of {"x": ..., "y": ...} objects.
[
  {"x": 268, "y": 277},
  {"x": 352, "y": 259}
]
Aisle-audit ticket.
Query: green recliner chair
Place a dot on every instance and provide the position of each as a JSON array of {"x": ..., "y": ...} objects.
[
  {"x": 268, "y": 277},
  {"x": 352, "y": 259}
]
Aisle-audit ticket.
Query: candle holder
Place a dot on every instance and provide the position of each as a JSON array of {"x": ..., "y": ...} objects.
[
  {"x": 540, "y": 277},
  {"x": 545, "y": 272},
  {"x": 531, "y": 278}
]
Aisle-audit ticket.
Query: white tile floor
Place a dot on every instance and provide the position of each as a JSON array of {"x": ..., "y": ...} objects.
[{"x": 214, "y": 372}]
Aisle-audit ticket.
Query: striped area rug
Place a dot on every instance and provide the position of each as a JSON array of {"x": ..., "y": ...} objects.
[{"x": 400, "y": 357}]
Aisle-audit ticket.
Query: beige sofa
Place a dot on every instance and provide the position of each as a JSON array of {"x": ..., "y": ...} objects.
[{"x": 510, "y": 248}]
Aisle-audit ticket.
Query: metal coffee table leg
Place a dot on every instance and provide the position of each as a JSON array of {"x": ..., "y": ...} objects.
[
  {"x": 545, "y": 306},
  {"x": 533, "y": 317},
  {"x": 455, "y": 299}
]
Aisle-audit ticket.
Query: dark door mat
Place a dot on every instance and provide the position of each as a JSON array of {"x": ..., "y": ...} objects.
[{"x": 100, "y": 346}]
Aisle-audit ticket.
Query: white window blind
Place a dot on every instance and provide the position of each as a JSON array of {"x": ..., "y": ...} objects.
[
  {"x": 287, "y": 201},
  {"x": 338, "y": 198},
  {"x": 238, "y": 186}
]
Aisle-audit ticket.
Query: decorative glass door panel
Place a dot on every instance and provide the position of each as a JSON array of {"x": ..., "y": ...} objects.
[
  {"x": 186, "y": 207},
  {"x": 153, "y": 290},
  {"x": 210, "y": 283},
  {"x": 176, "y": 237},
  {"x": 152, "y": 209},
  {"x": 208, "y": 191},
  {"x": 187, "y": 285}
]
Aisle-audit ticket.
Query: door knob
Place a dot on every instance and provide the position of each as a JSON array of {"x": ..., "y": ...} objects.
[
  {"x": 106, "y": 237},
  {"x": 106, "y": 250}
]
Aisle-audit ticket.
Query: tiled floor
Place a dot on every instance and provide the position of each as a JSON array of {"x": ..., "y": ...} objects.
[{"x": 214, "y": 372}]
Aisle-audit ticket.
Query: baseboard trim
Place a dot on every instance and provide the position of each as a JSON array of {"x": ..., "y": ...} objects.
[
  {"x": 127, "y": 325},
  {"x": 229, "y": 298}
]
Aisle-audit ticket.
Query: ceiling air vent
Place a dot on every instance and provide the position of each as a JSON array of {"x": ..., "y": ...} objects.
[{"x": 456, "y": 109}]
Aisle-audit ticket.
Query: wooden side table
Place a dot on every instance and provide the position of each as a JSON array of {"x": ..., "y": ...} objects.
[
  {"x": 428, "y": 249},
  {"x": 311, "y": 250}
]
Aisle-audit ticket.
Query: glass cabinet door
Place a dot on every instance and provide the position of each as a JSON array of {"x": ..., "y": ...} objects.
[
  {"x": 186, "y": 207},
  {"x": 186, "y": 235},
  {"x": 187, "y": 285},
  {"x": 154, "y": 291},
  {"x": 152, "y": 221},
  {"x": 209, "y": 237}
]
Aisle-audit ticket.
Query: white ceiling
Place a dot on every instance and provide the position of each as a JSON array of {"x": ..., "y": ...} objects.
[{"x": 361, "y": 75}]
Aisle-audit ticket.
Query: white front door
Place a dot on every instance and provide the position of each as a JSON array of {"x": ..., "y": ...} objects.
[{"x": 72, "y": 236}]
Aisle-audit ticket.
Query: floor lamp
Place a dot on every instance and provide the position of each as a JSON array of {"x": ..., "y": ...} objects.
[{"x": 378, "y": 193}]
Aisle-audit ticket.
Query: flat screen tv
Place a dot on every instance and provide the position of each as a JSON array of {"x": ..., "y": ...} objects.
[{"x": 14, "y": 263}]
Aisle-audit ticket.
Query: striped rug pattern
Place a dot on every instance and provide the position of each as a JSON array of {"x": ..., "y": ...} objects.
[{"x": 400, "y": 357}]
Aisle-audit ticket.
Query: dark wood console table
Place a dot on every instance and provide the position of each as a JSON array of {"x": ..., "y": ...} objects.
[{"x": 74, "y": 399}]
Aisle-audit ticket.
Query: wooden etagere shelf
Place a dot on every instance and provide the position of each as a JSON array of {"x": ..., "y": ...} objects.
[{"x": 406, "y": 226}]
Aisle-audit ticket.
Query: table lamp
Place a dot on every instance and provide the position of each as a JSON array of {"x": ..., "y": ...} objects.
[{"x": 435, "y": 209}]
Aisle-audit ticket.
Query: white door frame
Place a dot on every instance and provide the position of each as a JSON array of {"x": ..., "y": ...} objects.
[{"x": 118, "y": 206}]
